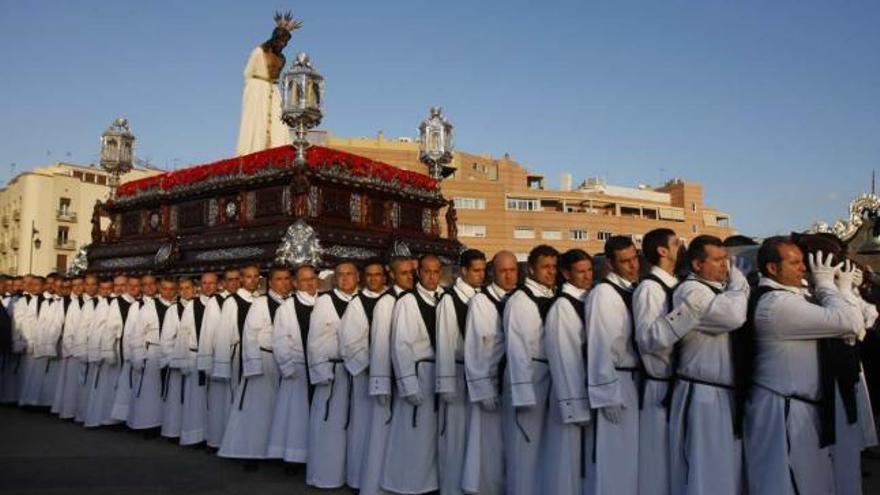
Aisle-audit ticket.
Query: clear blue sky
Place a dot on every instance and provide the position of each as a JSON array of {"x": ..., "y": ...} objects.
[{"x": 773, "y": 105}]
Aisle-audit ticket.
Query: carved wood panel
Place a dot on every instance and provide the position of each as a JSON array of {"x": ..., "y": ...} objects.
[{"x": 191, "y": 214}]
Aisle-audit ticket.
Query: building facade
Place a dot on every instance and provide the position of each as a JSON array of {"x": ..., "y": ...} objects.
[
  {"x": 502, "y": 205},
  {"x": 45, "y": 215}
]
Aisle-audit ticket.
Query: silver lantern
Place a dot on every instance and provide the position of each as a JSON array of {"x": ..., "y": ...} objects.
[
  {"x": 436, "y": 144},
  {"x": 117, "y": 152},
  {"x": 302, "y": 100}
]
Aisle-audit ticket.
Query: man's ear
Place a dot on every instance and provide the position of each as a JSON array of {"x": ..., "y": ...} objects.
[{"x": 772, "y": 269}]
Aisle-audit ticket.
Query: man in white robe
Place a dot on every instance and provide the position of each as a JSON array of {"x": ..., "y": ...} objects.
[
  {"x": 783, "y": 431},
  {"x": 568, "y": 438},
  {"x": 705, "y": 452},
  {"x": 97, "y": 373},
  {"x": 12, "y": 361},
  {"x": 289, "y": 434},
  {"x": 123, "y": 307},
  {"x": 68, "y": 384},
  {"x": 450, "y": 384},
  {"x": 122, "y": 409},
  {"x": 33, "y": 329},
  {"x": 219, "y": 392},
  {"x": 329, "y": 414},
  {"x": 411, "y": 454},
  {"x": 146, "y": 405},
  {"x": 110, "y": 367},
  {"x": 175, "y": 380},
  {"x": 50, "y": 334},
  {"x": 354, "y": 346},
  {"x": 483, "y": 355},
  {"x": 227, "y": 363},
  {"x": 81, "y": 344},
  {"x": 250, "y": 421},
  {"x": 204, "y": 312},
  {"x": 527, "y": 378},
  {"x": 652, "y": 300}
]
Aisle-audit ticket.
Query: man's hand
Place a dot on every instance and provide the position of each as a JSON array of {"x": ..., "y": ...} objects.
[
  {"x": 383, "y": 400},
  {"x": 415, "y": 399},
  {"x": 613, "y": 414},
  {"x": 490, "y": 404}
]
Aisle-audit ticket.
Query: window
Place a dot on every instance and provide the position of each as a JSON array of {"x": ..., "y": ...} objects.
[
  {"x": 603, "y": 236},
  {"x": 90, "y": 178},
  {"x": 523, "y": 233},
  {"x": 78, "y": 175},
  {"x": 693, "y": 228},
  {"x": 63, "y": 235},
  {"x": 470, "y": 203},
  {"x": 64, "y": 206},
  {"x": 523, "y": 204},
  {"x": 578, "y": 235},
  {"x": 552, "y": 235},
  {"x": 693, "y": 206},
  {"x": 102, "y": 179},
  {"x": 468, "y": 230},
  {"x": 61, "y": 263}
]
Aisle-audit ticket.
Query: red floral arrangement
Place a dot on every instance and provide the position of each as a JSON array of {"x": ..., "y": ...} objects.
[{"x": 280, "y": 158}]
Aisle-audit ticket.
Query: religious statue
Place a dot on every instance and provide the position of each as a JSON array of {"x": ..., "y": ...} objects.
[
  {"x": 451, "y": 219},
  {"x": 261, "y": 126}
]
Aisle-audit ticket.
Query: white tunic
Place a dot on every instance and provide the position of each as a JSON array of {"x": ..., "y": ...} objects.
[
  {"x": 289, "y": 436},
  {"x": 705, "y": 456},
  {"x": 651, "y": 302},
  {"x": 526, "y": 389},
  {"x": 65, "y": 349},
  {"x": 88, "y": 370},
  {"x": 411, "y": 459},
  {"x": 102, "y": 374},
  {"x": 13, "y": 364},
  {"x": 129, "y": 377},
  {"x": 612, "y": 362},
  {"x": 219, "y": 395},
  {"x": 111, "y": 347},
  {"x": 483, "y": 352},
  {"x": 569, "y": 432},
  {"x": 72, "y": 366},
  {"x": 172, "y": 398},
  {"x": 329, "y": 415},
  {"x": 354, "y": 347},
  {"x": 35, "y": 320},
  {"x": 451, "y": 388},
  {"x": 250, "y": 421},
  {"x": 51, "y": 343},
  {"x": 146, "y": 406},
  {"x": 782, "y": 427},
  {"x": 195, "y": 394}
]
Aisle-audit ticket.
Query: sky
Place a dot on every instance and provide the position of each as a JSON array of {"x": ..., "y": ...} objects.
[{"x": 773, "y": 106}]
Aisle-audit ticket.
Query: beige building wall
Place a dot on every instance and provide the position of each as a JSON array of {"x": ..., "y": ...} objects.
[
  {"x": 502, "y": 205},
  {"x": 57, "y": 201}
]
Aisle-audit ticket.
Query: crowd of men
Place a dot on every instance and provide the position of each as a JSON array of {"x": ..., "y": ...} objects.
[{"x": 647, "y": 381}]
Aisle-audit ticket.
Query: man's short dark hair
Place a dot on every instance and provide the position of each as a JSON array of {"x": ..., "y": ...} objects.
[
  {"x": 770, "y": 251},
  {"x": 371, "y": 262},
  {"x": 426, "y": 257},
  {"x": 653, "y": 240},
  {"x": 53, "y": 275},
  {"x": 303, "y": 266},
  {"x": 739, "y": 240},
  {"x": 572, "y": 256},
  {"x": 468, "y": 256},
  {"x": 277, "y": 268},
  {"x": 539, "y": 251},
  {"x": 697, "y": 247},
  {"x": 617, "y": 243}
]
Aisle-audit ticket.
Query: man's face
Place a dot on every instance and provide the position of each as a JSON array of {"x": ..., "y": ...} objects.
[
  {"x": 280, "y": 282},
  {"x": 580, "y": 275},
  {"x": 307, "y": 280},
  {"x": 105, "y": 289},
  {"x": 50, "y": 286},
  {"x": 429, "y": 273},
  {"x": 148, "y": 285},
  {"x": 403, "y": 274},
  {"x": 346, "y": 276},
  {"x": 374, "y": 277},
  {"x": 167, "y": 290},
  {"x": 76, "y": 287},
  {"x": 544, "y": 271},
  {"x": 791, "y": 270},
  {"x": 91, "y": 286},
  {"x": 119, "y": 284},
  {"x": 187, "y": 289},
  {"x": 8, "y": 285},
  {"x": 209, "y": 284},
  {"x": 626, "y": 263},
  {"x": 506, "y": 272},
  {"x": 475, "y": 274},
  {"x": 56, "y": 286},
  {"x": 250, "y": 278},
  {"x": 66, "y": 287},
  {"x": 134, "y": 287},
  {"x": 17, "y": 285},
  {"x": 232, "y": 280},
  {"x": 714, "y": 266}
]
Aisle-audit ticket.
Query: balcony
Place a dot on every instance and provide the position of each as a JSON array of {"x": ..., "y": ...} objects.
[
  {"x": 16, "y": 215},
  {"x": 14, "y": 243},
  {"x": 6, "y": 220},
  {"x": 65, "y": 216},
  {"x": 66, "y": 244}
]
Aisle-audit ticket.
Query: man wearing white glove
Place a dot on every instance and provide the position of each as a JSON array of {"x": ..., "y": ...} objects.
[
  {"x": 483, "y": 356},
  {"x": 705, "y": 453},
  {"x": 411, "y": 461},
  {"x": 613, "y": 370}
]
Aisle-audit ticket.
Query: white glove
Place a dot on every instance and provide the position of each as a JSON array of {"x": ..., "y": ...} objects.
[
  {"x": 735, "y": 278},
  {"x": 448, "y": 397},
  {"x": 821, "y": 269},
  {"x": 858, "y": 277},
  {"x": 613, "y": 414},
  {"x": 490, "y": 404},
  {"x": 383, "y": 400},
  {"x": 844, "y": 278},
  {"x": 415, "y": 399}
]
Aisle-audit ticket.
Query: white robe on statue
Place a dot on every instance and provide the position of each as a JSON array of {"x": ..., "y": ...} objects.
[
  {"x": 289, "y": 436},
  {"x": 250, "y": 421},
  {"x": 354, "y": 337},
  {"x": 451, "y": 387},
  {"x": 146, "y": 405},
  {"x": 329, "y": 415},
  {"x": 782, "y": 426},
  {"x": 172, "y": 400},
  {"x": 411, "y": 456},
  {"x": 88, "y": 371},
  {"x": 261, "y": 126},
  {"x": 705, "y": 455},
  {"x": 652, "y": 300},
  {"x": 526, "y": 388},
  {"x": 568, "y": 439},
  {"x": 95, "y": 406},
  {"x": 483, "y": 353},
  {"x": 219, "y": 394},
  {"x": 129, "y": 377}
]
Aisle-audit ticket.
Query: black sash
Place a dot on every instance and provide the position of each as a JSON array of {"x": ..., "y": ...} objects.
[
  {"x": 243, "y": 307},
  {"x": 40, "y": 300},
  {"x": 838, "y": 365},
  {"x": 461, "y": 309},
  {"x": 161, "y": 309},
  {"x": 273, "y": 307},
  {"x": 198, "y": 316},
  {"x": 668, "y": 290},
  {"x": 124, "y": 310},
  {"x": 579, "y": 306},
  {"x": 338, "y": 303},
  {"x": 499, "y": 304},
  {"x": 303, "y": 316},
  {"x": 180, "y": 309},
  {"x": 429, "y": 317},
  {"x": 5, "y": 332},
  {"x": 542, "y": 303},
  {"x": 369, "y": 304}
]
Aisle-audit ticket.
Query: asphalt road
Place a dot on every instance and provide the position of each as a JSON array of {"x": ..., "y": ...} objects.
[{"x": 42, "y": 455}]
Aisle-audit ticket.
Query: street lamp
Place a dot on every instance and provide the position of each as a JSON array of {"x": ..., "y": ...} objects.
[
  {"x": 302, "y": 100},
  {"x": 436, "y": 145},
  {"x": 35, "y": 244},
  {"x": 117, "y": 152}
]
